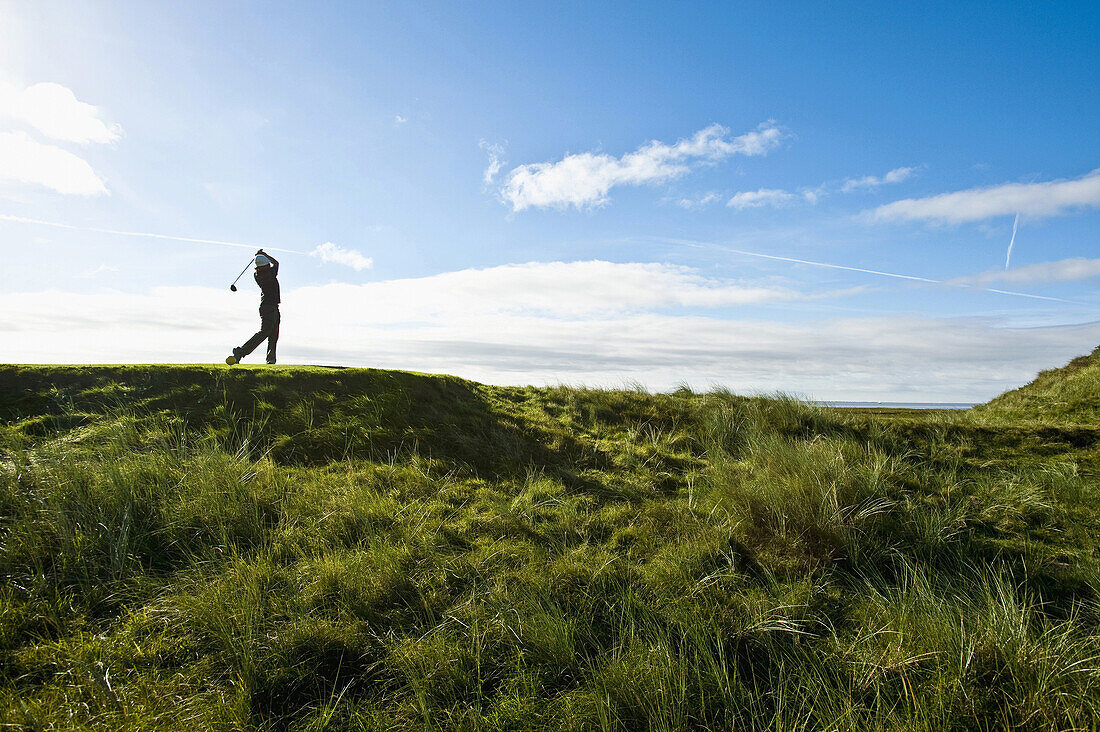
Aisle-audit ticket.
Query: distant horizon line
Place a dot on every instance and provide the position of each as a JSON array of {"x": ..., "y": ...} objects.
[{"x": 909, "y": 405}]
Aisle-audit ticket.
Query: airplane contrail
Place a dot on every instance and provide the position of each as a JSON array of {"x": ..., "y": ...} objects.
[
  {"x": 1008, "y": 256},
  {"x": 880, "y": 273},
  {"x": 115, "y": 232},
  {"x": 899, "y": 276},
  {"x": 833, "y": 266}
]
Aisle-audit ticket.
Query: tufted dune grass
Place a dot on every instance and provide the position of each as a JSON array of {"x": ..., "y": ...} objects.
[
  {"x": 1066, "y": 395},
  {"x": 305, "y": 548}
]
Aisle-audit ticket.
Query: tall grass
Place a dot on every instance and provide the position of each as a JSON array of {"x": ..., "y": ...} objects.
[
  {"x": 1069, "y": 395},
  {"x": 558, "y": 558}
]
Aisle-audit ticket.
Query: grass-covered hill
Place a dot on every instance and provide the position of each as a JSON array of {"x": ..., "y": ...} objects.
[
  {"x": 1067, "y": 395},
  {"x": 305, "y": 548}
]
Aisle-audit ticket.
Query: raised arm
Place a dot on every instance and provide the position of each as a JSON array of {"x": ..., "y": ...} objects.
[{"x": 274, "y": 262}]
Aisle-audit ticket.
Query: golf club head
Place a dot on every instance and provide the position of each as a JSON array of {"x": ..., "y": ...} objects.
[{"x": 233, "y": 288}]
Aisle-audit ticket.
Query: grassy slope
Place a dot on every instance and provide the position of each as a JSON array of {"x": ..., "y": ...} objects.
[
  {"x": 189, "y": 547},
  {"x": 1067, "y": 395}
]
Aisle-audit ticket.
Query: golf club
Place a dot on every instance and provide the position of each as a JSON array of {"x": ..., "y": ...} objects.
[{"x": 233, "y": 287}]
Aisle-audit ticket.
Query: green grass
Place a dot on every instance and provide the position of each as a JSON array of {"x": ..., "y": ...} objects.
[
  {"x": 306, "y": 548},
  {"x": 1067, "y": 395}
]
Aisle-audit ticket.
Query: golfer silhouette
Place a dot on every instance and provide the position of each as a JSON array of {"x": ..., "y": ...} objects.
[{"x": 266, "y": 276}]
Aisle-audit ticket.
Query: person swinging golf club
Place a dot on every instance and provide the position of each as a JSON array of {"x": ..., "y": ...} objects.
[{"x": 267, "y": 269}]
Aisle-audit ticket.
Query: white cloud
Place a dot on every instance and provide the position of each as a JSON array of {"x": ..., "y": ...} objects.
[
  {"x": 759, "y": 198},
  {"x": 584, "y": 180},
  {"x": 813, "y": 195},
  {"x": 778, "y": 197},
  {"x": 399, "y": 120},
  {"x": 897, "y": 175},
  {"x": 489, "y": 325},
  {"x": 495, "y": 153},
  {"x": 54, "y": 111},
  {"x": 701, "y": 201},
  {"x": 101, "y": 269},
  {"x": 559, "y": 289},
  {"x": 24, "y": 160},
  {"x": 1064, "y": 270},
  {"x": 1050, "y": 198},
  {"x": 329, "y": 252}
]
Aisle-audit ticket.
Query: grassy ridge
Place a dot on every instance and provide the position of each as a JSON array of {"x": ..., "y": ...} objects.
[
  {"x": 196, "y": 547},
  {"x": 1066, "y": 395}
]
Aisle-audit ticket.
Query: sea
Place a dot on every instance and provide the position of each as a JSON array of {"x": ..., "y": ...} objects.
[{"x": 897, "y": 405}]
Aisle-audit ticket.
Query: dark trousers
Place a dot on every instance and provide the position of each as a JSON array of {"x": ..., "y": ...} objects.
[{"x": 269, "y": 329}]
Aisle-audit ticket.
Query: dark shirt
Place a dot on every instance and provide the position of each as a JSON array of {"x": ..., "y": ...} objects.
[{"x": 269, "y": 286}]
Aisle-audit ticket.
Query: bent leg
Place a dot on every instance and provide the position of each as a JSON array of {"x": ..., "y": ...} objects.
[
  {"x": 269, "y": 322},
  {"x": 250, "y": 345}
]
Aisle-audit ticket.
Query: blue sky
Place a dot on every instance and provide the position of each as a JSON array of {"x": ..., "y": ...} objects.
[{"x": 586, "y": 193}]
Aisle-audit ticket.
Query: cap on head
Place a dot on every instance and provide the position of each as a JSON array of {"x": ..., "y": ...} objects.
[{"x": 262, "y": 261}]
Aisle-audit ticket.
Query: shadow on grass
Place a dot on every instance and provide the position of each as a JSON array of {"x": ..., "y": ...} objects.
[{"x": 303, "y": 415}]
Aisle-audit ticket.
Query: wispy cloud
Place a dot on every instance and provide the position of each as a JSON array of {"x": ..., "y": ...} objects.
[
  {"x": 897, "y": 175},
  {"x": 1036, "y": 200},
  {"x": 1063, "y": 270},
  {"x": 24, "y": 160},
  {"x": 54, "y": 111},
  {"x": 584, "y": 180},
  {"x": 759, "y": 198},
  {"x": 329, "y": 252},
  {"x": 592, "y": 288},
  {"x": 693, "y": 202},
  {"x": 95, "y": 272},
  {"x": 495, "y": 152},
  {"x": 775, "y": 197},
  {"x": 813, "y": 195},
  {"x": 399, "y": 120}
]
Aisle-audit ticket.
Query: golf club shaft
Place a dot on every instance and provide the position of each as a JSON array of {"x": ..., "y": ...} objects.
[{"x": 242, "y": 273}]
